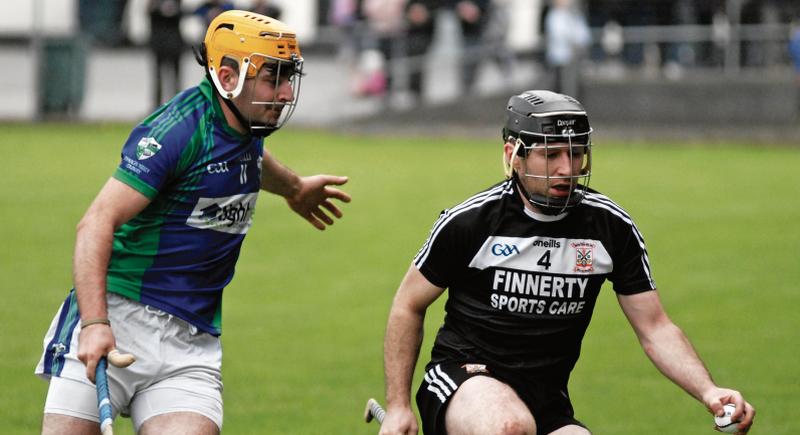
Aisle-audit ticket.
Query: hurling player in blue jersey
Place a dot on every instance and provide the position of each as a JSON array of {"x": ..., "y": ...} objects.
[
  {"x": 523, "y": 263},
  {"x": 161, "y": 239}
]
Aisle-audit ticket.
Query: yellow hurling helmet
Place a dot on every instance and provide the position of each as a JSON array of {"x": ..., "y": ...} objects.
[{"x": 251, "y": 40}]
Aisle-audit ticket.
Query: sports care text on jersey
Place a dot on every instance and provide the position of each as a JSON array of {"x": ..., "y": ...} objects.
[
  {"x": 203, "y": 179},
  {"x": 522, "y": 287}
]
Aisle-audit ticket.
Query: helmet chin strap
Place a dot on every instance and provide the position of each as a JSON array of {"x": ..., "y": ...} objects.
[
  {"x": 540, "y": 201},
  {"x": 258, "y": 129}
]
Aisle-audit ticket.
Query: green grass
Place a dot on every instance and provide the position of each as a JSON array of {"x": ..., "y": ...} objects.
[{"x": 304, "y": 317}]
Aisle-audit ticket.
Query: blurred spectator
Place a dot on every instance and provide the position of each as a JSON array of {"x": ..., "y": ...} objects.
[
  {"x": 210, "y": 9},
  {"x": 612, "y": 40},
  {"x": 495, "y": 45},
  {"x": 369, "y": 77},
  {"x": 640, "y": 14},
  {"x": 102, "y": 20},
  {"x": 600, "y": 14},
  {"x": 343, "y": 12},
  {"x": 794, "y": 46},
  {"x": 720, "y": 35},
  {"x": 344, "y": 15},
  {"x": 385, "y": 22},
  {"x": 681, "y": 54},
  {"x": 266, "y": 7},
  {"x": 421, "y": 20},
  {"x": 754, "y": 52},
  {"x": 471, "y": 16},
  {"x": 794, "y": 52},
  {"x": 166, "y": 43},
  {"x": 567, "y": 37}
]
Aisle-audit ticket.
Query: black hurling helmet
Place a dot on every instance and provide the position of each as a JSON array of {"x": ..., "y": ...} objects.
[{"x": 543, "y": 121}]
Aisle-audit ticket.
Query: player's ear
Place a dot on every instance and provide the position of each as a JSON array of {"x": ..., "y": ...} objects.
[
  {"x": 228, "y": 77},
  {"x": 509, "y": 151}
]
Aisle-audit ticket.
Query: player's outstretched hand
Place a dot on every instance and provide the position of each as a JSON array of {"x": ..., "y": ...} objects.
[
  {"x": 716, "y": 399},
  {"x": 314, "y": 198},
  {"x": 399, "y": 422}
]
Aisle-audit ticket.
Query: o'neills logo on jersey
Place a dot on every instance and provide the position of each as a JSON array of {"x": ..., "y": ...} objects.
[
  {"x": 546, "y": 243},
  {"x": 584, "y": 257},
  {"x": 230, "y": 214}
]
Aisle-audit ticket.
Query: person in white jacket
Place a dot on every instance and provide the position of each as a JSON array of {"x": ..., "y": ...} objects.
[{"x": 567, "y": 37}]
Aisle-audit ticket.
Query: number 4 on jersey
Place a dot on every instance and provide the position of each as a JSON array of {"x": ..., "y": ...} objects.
[{"x": 544, "y": 261}]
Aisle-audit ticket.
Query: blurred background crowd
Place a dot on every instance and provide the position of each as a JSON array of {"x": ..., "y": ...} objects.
[{"x": 398, "y": 55}]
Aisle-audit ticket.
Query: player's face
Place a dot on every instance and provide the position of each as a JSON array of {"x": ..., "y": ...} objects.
[
  {"x": 552, "y": 170},
  {"x": 265, "y": 96}
]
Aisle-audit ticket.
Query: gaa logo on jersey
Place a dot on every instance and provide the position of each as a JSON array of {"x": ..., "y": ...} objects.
[
  {"x": 505, "y": 250},
  {"x": 584, "y": 256},
  {"x": 147, "y": 147}
]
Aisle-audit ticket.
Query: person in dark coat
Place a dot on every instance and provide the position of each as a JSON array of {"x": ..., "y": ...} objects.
[{"x": 166, "y": 43}]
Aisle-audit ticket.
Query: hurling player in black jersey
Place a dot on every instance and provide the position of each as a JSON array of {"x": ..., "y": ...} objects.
[{"x": 524, "y": 262}]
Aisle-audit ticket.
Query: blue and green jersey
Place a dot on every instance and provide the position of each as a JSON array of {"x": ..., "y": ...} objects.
[{"x": 203, "y": 178}]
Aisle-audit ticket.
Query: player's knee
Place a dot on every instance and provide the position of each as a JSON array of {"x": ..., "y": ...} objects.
[{"x": 517, "y": 425}]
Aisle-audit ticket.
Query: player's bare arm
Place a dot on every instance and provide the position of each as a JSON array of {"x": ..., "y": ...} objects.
[
  {"x": 309, "y": 197},
  {"x": 404, "y": 333},
  {"x": 277, "y": 178},
  {"x": 672, "y": 353},
  {"x": 114, "y": 205}
]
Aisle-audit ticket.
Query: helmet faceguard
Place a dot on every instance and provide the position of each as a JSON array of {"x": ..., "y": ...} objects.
[
  {"x": 547, "y": 123},
  {"x": 253, "y": 42}
]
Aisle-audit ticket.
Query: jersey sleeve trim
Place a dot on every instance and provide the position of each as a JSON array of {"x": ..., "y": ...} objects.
[
  {"x": 139, "y": 185},
  {"x": 475, "y": 201},
  {"x": 635, "y": 288}
]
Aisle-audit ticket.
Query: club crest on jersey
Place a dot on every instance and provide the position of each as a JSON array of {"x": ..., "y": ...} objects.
[
  {"x": 146, "y": 148},
  {"x": 584, "y": 256}
]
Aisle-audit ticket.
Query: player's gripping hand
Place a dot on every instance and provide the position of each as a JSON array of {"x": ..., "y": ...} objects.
[
  {"x": 94, "y": 342},
  {"x": 314, "y": 197},
  {"x": 716, "y": 399},
  {"x": 399, "y": 422}
]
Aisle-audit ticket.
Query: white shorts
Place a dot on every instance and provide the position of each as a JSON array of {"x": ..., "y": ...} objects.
[{"x": 177, "y": 367}]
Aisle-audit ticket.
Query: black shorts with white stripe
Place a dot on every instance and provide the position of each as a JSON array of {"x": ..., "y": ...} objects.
[{"x": 548, "y": 401}]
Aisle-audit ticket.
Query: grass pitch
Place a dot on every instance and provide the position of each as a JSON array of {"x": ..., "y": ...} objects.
[{"x": 304, "y": 317}]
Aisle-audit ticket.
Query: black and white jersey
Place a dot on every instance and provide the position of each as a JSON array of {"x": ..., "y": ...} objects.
[{"x": 522, "y": 286}]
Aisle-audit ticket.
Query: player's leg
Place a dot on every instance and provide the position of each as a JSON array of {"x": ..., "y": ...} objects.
[
  {"x": 184, "y": 404},
  {"x": 70, "y": 408},
  {"x": 57, "y": 424},
  {"x": 484, "y": 405},
  {"x": 71, "y": 403},
  {"x": 179, "y": 423}
]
